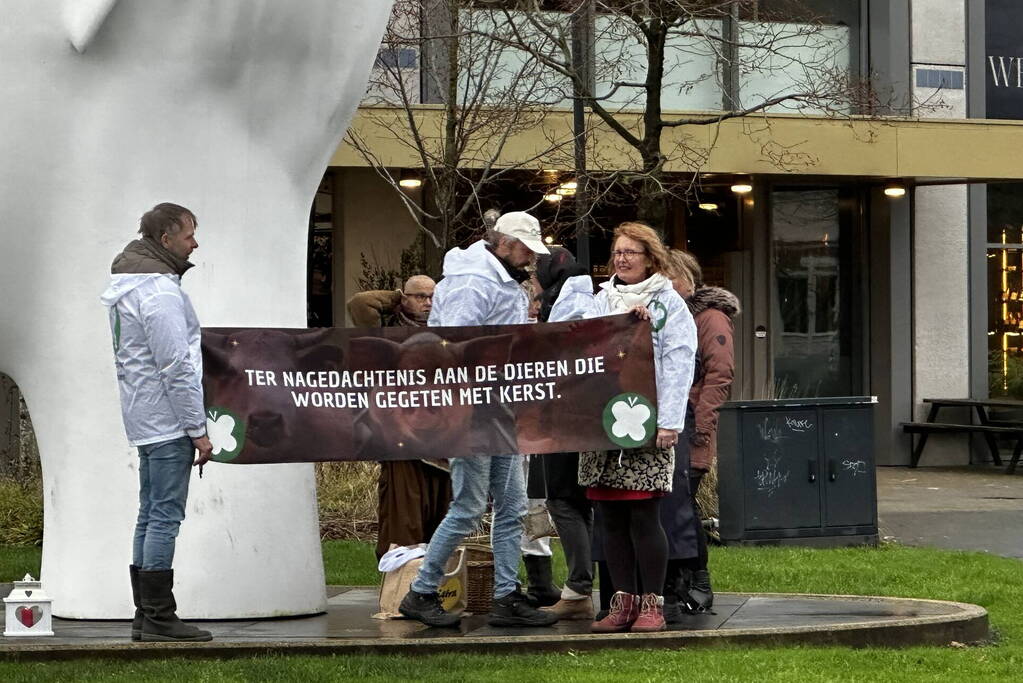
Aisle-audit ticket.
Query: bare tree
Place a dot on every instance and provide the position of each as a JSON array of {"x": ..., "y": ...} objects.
[
  {"x": 725, "y": 58},
  {"x": 445, "y": 51}
]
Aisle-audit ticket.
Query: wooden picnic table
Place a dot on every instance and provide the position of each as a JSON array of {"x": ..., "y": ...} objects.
[{"x": 987, "y": 427}]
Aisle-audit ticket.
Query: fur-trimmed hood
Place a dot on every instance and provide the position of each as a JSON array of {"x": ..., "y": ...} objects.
[{"x": 714, "y": 297}]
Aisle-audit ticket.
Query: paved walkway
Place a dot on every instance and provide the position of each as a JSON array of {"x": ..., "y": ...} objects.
[
  {"x": 961, "y": 508},
  {"x": 347, "y": 627}
]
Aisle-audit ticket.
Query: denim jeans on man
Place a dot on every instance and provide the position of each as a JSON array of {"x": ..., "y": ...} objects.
[
  {"x": 471, "y": 479},
  {"x": 164, "y": 471}
]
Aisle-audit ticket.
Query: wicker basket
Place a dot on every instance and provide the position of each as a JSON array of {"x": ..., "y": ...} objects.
[{"x": 479, "y": 591}]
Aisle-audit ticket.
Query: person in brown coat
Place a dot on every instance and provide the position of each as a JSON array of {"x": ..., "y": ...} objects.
[
  {"x": 408, "y": 306},
  {"x": 713, "y": 309},
  {"x": 413, "y": 495}
]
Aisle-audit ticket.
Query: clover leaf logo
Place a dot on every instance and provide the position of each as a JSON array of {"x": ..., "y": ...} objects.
[
  {"x": 629, "y": 420},
  {"x": 658, "y": 315},
  {"x": 226, "y": 432}
]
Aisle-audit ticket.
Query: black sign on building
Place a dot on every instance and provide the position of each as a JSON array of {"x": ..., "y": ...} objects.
[{"x": 1003, "y": 70}]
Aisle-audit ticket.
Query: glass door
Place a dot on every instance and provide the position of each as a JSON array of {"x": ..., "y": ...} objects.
[{"x": 816, "y": 343}]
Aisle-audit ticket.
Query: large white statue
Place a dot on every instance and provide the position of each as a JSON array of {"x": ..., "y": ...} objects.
[{"x": 231, "y": 108}]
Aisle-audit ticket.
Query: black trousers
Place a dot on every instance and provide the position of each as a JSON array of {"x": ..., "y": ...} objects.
[{"x": 573, "y": 518}]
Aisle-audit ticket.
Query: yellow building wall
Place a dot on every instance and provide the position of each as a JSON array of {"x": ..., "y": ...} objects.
[{"x": 775, "y": 144}]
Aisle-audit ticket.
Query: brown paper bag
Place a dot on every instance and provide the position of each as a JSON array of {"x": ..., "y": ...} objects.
[{"x": 395, "y": 584}]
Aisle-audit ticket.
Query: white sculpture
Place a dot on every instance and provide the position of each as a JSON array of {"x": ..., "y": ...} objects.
[{"x": 233, "y": 109}]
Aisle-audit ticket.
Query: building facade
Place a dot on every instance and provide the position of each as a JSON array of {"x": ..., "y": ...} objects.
[{"x": 849, "y": 287}]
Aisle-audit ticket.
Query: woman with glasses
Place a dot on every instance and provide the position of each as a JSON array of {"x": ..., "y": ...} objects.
[{"x": 627, "y": 484}]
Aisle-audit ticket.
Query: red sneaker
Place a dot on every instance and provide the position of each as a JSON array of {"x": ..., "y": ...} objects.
[
  {"x": 624, "y": 610},
  {"x": 651, "y": 615}
]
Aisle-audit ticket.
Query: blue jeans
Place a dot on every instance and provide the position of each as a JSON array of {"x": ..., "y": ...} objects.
[
  {"x": 164, "y": 472},
  {"x": 471, "y": 479}
]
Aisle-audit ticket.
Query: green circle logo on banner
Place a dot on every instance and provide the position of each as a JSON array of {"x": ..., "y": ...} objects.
[
  {"x": 630, "y": 420},
  {"x": 226, "y": 432},
  {"x": 658, "y": 315}
]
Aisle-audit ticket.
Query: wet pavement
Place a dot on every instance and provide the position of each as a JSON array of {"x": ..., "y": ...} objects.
[
  {"x": 348, "y": 626},
  {"x": 959, "y": 508}
]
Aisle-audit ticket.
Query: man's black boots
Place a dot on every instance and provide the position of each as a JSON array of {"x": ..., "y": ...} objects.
[
  {"x": 674, "y": 587},
  {"x": 427, "y": 608},
  {"x": 699, "y": 597},
  {"x": 159, "y": 621},
  {"x": 541, "y": 592},
  {"x": 514, "y": 610},
  {"x": 136, "y": 622}
]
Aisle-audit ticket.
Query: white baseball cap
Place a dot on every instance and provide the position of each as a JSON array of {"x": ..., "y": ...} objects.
[{"x": 523, "y": 227}]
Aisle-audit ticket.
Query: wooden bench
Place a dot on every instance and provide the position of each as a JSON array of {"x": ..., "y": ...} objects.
[{"x": 990, "y": 431}]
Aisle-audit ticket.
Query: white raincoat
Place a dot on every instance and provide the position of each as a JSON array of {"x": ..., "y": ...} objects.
[
  {"x": 477, "y": 290},
  {"x": 674, "y": 344},
  {"x": 157, "y": 351}
]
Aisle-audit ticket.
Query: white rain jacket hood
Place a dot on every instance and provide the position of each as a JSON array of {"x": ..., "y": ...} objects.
[
  {"x": 157, "y": 353},
  {"x": 674, "y": 343},
  {"x": 477, "y": 290}
]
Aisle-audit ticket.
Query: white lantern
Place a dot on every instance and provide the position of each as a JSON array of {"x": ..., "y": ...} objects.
[{"x": 28, "y": 609}]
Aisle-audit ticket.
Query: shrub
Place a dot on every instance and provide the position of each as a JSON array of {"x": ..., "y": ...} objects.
[
  {"x": 376, "y": 275},
  {"x": 21, "y": 512},
  {"x": 347, "y": 493},
  {"x": 347, "y": 496}
]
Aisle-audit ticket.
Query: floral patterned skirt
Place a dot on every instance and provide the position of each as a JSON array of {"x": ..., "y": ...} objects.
[{"x": 647, "y": 468}]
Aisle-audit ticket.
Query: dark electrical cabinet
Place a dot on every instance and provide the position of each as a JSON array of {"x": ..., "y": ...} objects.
[{"x": 798, "y": 471}]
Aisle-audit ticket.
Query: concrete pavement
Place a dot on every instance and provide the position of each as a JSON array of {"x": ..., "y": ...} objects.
[
  {"x": 347, "y": 628},
  {"x": 960, "y": 508}
]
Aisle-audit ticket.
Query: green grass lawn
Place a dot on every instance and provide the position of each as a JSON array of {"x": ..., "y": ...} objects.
[
  {"x": 992, "y": 582},
  {"x": 18, "y": 560}
]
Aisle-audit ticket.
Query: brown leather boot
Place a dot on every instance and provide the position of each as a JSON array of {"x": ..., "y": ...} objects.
[
  {"x": 651, "y": 615},
  {"x": 624, "y": 610},
  {"x": 572, "y": 610}
]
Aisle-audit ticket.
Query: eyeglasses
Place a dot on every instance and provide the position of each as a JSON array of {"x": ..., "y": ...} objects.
[
  {"x": 421, "y": 297},
  {"x": 627, "y": 254}
]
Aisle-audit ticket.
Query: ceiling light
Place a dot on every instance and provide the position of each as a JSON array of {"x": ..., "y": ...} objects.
[
  {"x": 565, "y": 191},
  {"x": 410, "y": 180},
  {"x": 708, "y": 206},
  {"x": 553, "y": 197},
  {"x": 570, "y": 185},
  {"x": 895, "y": 191},
  {"x": 742, "y": 188}
]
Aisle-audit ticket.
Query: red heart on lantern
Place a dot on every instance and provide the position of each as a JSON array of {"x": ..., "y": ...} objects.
[{"x": 29, "y": 616}]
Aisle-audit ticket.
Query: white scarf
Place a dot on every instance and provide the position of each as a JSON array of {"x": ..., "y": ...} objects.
[{"x": 622, "y": 298}]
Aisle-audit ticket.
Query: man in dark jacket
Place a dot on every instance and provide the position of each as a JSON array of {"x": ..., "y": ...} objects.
[
  {"x": 157, "y": 353},
  {"x": 413, "y": 495}
]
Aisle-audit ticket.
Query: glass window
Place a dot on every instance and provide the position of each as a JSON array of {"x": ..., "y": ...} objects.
[
  {"x": 841, "y": 12},
  {"x": 1005, "y": 290},
  {"x": 812, "y": 340},
  {"x": 1005, "y": 213},
  {"x": 692, "y": 80},
  {"x": 493, "y": 73},
  {"x": 798, "y": 47}
]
